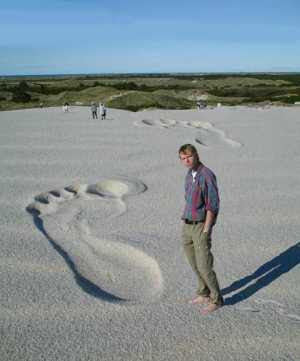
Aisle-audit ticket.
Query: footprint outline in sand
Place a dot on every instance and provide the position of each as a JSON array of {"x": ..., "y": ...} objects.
[
  {"x": 111, "y": 270},
  {"x": 160, "y": 123},
  {"x": 278, "y": 308},
  {"x": 206, "y": 130}
]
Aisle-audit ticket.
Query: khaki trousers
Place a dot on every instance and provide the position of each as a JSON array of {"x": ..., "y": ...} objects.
[{"x": 197, "y": 247}]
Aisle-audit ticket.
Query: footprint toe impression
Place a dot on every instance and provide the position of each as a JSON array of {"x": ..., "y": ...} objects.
[{"x": 116, "y": 268}]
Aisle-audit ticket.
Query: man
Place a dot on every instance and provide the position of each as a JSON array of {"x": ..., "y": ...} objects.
[
  {"x": 102, "y": 111},
  {"x": 94, "y": 110},
  {"x": 199, "y": 217}
]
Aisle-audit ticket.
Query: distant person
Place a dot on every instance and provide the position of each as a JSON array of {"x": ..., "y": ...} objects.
[
  {"x": 66, "y": 107},
  {"x": 102, "y": 111},
  {"x": 199, "y": 217},
  {"x": 94, "y": 110},
  {"x": 201, "y": 104}
]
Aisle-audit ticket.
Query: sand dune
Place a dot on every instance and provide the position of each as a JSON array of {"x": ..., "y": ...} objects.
[{"x": 92, "y": 266}]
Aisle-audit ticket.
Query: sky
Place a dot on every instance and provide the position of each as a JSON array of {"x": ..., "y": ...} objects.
[{"x": 119, "y": 36}]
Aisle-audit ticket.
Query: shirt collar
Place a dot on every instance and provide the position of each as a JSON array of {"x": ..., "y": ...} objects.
[{"x": 197, "y": 169}]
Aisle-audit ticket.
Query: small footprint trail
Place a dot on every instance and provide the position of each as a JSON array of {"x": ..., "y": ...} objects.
[
  {"x": 208, "y": 135},
  {"x": 278, "y": 308},
  {"x": 263, "y": 304},
  {"x": 120, "y": 270}
]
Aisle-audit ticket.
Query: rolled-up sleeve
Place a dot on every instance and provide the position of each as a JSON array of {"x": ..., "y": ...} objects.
[{"x": 211, "y": 194}]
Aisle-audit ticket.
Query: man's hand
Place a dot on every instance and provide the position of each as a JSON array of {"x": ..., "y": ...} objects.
[
  {"x": 209, "y": 220},
  {"x": 204, "y": 236}
]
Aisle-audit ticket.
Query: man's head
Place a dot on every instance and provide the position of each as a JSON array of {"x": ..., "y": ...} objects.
[{"x": 189, "y": 156}]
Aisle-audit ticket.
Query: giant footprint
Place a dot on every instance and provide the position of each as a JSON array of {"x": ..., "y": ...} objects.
[
  {"x": 161, "y": 123},
  {"x": 209, "y": 134},
  {"x": 117, "y": 270}
]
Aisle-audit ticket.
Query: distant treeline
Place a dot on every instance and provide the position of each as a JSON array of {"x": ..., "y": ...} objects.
[
  {"x": 142, "y": 87},
  {"x": 259, "y": 91},
  {"x": 293, "y": 78},
  {"x": 47, "y": 90},
  {"x": 31, "y": 89}
]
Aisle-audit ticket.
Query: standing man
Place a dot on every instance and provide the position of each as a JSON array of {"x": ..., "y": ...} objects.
[
  {"x": 199, "y": 217},
  {"x": 94, "y": 110},
  {"x": 102, "y": 111}
]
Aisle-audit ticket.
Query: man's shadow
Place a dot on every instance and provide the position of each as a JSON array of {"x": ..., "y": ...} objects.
[{"x": 264, "y": 275}]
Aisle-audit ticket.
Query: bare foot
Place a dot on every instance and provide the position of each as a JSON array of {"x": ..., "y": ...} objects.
[
  {"x": 210, "y": 308},
  {"x": 200, "y": 300}
]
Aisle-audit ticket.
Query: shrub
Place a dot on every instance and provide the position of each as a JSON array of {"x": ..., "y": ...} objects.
[
  {"x": 21, "y": 97},
  {"x": 23, "y": 86},
  {"x": 3, "y": 86},
  {"x": 289, "y": 100}
]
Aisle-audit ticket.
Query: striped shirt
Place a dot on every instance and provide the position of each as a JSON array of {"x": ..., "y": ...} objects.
[{"x": 201, "y": 194}]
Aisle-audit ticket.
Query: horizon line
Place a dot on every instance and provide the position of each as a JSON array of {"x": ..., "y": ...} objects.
[{"x": 149, "y": 73}]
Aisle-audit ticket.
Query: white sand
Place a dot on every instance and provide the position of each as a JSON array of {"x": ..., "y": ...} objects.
[{"x": 100, "y": 273}]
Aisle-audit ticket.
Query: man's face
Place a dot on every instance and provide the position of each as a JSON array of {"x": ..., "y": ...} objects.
[{"x": 188, "y": 159}]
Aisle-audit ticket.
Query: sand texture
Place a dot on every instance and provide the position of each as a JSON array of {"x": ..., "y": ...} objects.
[{"x": 92, "y": 266}]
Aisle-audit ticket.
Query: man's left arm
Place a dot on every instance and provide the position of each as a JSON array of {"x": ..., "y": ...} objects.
[{"x": 211, "y": 197}]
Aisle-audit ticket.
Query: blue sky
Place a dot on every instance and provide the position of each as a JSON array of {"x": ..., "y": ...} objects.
[{"x": 90, "y": 36}]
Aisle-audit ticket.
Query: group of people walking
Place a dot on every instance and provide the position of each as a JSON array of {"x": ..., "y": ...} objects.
[{"x": 94, "y": 110}]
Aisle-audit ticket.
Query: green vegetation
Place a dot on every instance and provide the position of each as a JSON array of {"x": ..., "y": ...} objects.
[
  {"x": 141, "y": 100},
  {"x": 140, "y": 91}
]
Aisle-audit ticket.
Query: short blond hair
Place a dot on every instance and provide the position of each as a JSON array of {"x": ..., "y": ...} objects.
[{"x": 189, "y": 148}]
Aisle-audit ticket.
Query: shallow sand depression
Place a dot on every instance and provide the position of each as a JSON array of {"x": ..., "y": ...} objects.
[{"x": 92, "y": 266}]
